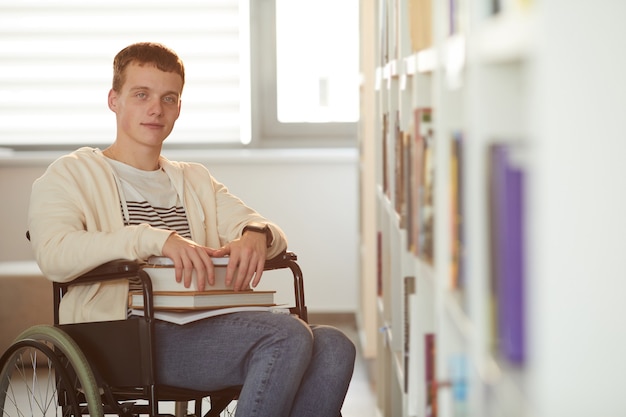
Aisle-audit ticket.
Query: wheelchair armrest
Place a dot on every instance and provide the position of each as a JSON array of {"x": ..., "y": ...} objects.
[
  {"x": 110, "y": 271},
  {"x": 288, "y": 260},
  {"x": 113, "y": 270},
  {"x": 281, "y": 260},
  {"x": 116, "y": 269}
]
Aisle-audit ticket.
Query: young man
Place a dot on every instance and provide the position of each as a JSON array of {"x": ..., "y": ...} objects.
[{"x": 129, "y": 202}]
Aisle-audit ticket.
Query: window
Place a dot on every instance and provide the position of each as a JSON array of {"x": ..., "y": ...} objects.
[
  {"x": 317, "y": 61},
  {"x": 56, "y": 60},
  {"x": 306, "y": 78}
]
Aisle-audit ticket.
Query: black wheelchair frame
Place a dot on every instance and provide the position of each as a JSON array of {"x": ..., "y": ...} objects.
[{"x": 112, "y": 363}]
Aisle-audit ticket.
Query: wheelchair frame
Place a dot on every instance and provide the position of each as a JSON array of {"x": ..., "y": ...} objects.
[{"x": 97, "y": 366}]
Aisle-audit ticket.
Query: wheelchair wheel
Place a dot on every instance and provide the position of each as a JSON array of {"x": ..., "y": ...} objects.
[{"x": 44, "y": 373}]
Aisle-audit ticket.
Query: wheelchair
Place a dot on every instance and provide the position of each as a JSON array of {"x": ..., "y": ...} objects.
[{"x": 100, "y": 368}]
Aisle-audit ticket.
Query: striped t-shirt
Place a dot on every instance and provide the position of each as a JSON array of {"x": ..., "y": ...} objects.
[{"x": 150, "y": 198}]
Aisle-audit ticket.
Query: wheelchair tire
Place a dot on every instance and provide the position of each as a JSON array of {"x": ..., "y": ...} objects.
[{"x": 44, "y": 372}]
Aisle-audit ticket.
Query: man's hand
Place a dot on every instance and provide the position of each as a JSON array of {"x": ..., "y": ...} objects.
[
  {"x": 247, "y": 259},
  {"x": 188, "y": 257}
]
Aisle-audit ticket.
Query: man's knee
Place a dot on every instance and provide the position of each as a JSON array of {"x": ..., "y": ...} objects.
[
  {"x": 297, "y": 334},
  {"x": 335, "y": 342}
]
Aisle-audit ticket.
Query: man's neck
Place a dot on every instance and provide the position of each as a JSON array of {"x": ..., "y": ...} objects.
[{"x": 144, "y": 159}]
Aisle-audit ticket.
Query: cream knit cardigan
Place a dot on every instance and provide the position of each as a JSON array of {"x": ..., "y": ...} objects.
[{"x": 76, "y": 224}]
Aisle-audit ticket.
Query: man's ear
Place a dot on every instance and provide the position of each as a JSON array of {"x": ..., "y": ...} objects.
[{"x": 112, "y": 100}]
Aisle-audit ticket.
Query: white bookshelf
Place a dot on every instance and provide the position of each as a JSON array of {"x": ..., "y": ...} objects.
[{"x": 546, "y": 78}]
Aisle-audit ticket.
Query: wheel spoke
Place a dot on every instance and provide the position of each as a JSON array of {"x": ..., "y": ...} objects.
[
  {"x": 29, "y": 390},
  {"x": 41, "y": 375}
]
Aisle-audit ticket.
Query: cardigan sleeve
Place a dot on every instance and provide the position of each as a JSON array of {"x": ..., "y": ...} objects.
[{"x": 75, "y": 221}]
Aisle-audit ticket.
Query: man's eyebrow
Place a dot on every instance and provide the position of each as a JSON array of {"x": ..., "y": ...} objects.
[
  {"x": 139, "y": 88},
  {"x": 167, "y": 93}
]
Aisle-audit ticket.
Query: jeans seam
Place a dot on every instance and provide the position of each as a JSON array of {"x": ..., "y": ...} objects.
[{"x": 260, "y": 392}]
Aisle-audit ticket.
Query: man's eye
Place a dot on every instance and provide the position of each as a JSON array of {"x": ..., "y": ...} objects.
[
  {"x": 141, "y": 95},
  {"x": 169, "y": 99}
]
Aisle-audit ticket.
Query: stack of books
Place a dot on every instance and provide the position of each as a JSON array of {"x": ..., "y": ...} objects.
[{"x": 176, "y": 303}]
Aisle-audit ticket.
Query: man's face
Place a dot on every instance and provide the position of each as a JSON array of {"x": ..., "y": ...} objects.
[{"x": 147, "y": 106}]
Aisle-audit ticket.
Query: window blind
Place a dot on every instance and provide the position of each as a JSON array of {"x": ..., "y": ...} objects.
[{"x": 56, "y": 67}]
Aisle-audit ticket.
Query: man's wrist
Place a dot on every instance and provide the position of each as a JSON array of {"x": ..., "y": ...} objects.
[{"x": 263, "y": 228}]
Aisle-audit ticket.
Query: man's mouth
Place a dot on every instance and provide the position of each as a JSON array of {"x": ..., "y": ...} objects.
[{"x": 152, "y": 125}]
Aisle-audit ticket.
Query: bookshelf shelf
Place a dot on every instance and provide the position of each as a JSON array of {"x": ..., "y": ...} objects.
[
  {"x": 497, "y": 159},
  {"x": 421, "y": 62}
]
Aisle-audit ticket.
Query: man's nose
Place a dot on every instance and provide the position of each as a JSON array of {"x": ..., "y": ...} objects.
[{"x": 156, "y": 107}]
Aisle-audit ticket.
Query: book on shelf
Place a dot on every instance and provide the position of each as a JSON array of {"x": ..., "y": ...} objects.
[
  {"x": 428, "y": 208},
  {"x": 417, "y": 158},
  {"x": 415, "y": 351},
  {"x": 410, "y": 187},
  {"x": 398, "y": 166},
  {"x": 407, "y": 170},
  {"x": 195, "y": 300},
  {"x": 388, "y": 15},
  {"x": 162, "y": 274},
  {"x": 493, "y": 250},
  {"x": 509, "y": 6},
  {"x": 422, "y": 222},
  {"x": 184, "y": 317},
  {"x": 456, "y": 213},
  {"x": 420, "y": 24},
  {"x": 457, "y": 18},
  {"x": 430, "y": 357},
  {"x": 507, "y": 233},
  {"x": 458, "y": 376},
  {"x": 384, "y": 31},
  {"x": 385, "y": 154},
  {"x": 379, "y": 263},
  {"x": 409, "y": 292},
  {"x": 403, "y": 180}
]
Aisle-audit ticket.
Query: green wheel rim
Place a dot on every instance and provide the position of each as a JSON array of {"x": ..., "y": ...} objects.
[{"x": 72, "y": 352}]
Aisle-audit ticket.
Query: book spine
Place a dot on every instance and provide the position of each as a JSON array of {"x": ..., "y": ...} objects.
[
  {"x": 507, "y": 183},
  {"x": 430, "y": 375},
  {"x": 512, "y": 292}
]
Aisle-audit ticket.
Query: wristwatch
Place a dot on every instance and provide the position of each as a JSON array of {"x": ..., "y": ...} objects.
[{"x": 259, "y": 228}]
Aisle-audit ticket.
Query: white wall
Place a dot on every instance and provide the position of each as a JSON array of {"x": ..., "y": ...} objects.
[{"x": 311, "y": 194}]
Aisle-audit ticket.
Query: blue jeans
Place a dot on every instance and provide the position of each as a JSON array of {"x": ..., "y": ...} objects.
[{"x": 286, "y": 367}]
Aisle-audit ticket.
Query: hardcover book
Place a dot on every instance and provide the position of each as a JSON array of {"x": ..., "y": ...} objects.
[
  {"x": 198, "y": 300},
  {"x": 423, "y": 177},
  {"x": 430, "y": 375},
  {"x": 507, "y": 198},
  {"x": 420, "y": 24},
  {"x": 162, "y": 275},
  {"x": 184, "y": 317},
  {"x": 456, "y": 211}
]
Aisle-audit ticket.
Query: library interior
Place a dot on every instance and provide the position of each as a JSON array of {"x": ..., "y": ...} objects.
[{"x": 448, "y": 173}]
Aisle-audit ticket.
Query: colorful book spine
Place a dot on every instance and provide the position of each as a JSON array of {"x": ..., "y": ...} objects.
[
  {"x": 430, "y": 375},
  {"x": 456, "y": 213},
  {"x": 423, "y": 176},
  {"x": 508, "y": 232}
]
